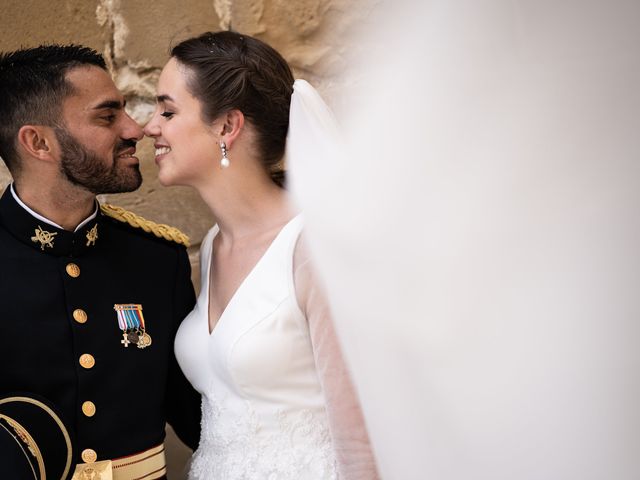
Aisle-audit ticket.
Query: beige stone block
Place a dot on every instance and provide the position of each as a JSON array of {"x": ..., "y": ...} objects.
[
  {"x": 153, "y": 27},
  {"x": 310, "y": 34},
  {"x": 32, "y": 22}
]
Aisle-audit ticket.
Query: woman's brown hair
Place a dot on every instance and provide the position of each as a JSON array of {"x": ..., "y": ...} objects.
[{"x": 229, "y": 71}]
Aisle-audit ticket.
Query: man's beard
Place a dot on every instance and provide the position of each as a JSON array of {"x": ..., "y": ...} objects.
[{"x": 85, "y": 169}]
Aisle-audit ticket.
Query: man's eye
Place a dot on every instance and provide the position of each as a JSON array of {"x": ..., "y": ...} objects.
[
  {"x": 167, "y": 114},
  {"x": 109, "y": 118}
]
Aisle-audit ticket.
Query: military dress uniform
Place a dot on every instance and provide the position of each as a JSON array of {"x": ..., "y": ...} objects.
[{"x": 88, "y": 320}]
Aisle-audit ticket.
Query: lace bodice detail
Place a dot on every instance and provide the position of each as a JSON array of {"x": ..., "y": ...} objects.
[
  {"x": 297, "y": 445},
  {"x": 264, "y": 413}
]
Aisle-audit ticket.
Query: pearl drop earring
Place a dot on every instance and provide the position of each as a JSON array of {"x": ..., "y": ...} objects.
[{"x": 224, "y": 161}]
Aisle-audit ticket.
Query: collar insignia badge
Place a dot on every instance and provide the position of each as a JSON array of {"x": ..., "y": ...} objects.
[
  {"x": 45, "y": 238},
  {"x": 92, "y": 235}
]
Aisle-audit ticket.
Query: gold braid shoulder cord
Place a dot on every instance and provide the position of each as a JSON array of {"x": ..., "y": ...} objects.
[{"x": 158, "y": 229}]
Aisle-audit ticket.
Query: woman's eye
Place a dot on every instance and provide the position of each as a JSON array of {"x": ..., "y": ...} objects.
[{"x": 167, "y": 114}]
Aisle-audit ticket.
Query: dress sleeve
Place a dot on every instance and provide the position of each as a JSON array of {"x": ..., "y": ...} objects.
[{"x": 346, "y": 422}]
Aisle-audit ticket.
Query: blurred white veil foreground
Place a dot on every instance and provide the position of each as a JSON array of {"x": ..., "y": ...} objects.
[{"x": 480, "y": 237}]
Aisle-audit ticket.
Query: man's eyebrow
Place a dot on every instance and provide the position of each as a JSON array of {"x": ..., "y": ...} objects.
[
  {"x": 113, "y": 104},
  {"x": 164, "y": 98}
]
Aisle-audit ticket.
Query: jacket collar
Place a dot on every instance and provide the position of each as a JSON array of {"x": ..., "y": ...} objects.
[{"x": 43, "y": 236}]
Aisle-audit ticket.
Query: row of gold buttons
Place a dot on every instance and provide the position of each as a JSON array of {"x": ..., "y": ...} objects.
[{"x": 86, "y": 361}]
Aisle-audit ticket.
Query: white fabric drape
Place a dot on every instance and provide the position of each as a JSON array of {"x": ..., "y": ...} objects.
[{"x": 478, "y": 237}]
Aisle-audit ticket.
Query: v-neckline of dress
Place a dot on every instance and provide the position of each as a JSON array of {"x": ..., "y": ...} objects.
[{"x": 210, "y": 330}]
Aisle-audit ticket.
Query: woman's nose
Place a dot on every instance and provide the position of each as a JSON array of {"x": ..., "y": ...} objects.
[{"x": 151, "y": 129}]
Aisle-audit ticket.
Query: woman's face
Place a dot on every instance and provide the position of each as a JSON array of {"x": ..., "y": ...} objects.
[{"x": 186, "y": 148}]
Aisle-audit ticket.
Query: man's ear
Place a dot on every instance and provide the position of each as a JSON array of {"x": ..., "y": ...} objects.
[
  {"x": 232, "y": 125},
  {"x": 39, "y": 142}
]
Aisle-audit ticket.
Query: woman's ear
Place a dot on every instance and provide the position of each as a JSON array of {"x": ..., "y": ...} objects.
[
  {"x": 38, "y": 142},
  {"x": 232, "y": 125}
]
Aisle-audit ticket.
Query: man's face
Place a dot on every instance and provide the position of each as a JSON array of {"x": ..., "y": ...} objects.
[{"x": 98, "y": 138}]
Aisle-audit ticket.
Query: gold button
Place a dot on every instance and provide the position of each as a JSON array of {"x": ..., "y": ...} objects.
[
  {"x": 89, "y": 409},
  {"x": 89, "y": 455},
  {"x": 80, "y": 315},
  {"x": 73, "y": 270},
  {"x": 87, "y": 361}
]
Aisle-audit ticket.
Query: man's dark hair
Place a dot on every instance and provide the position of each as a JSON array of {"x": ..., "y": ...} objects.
[{"x": 33, "y": 87}]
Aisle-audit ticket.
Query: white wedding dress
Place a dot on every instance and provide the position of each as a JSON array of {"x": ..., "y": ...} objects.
[{"x": 263, "y": 408}]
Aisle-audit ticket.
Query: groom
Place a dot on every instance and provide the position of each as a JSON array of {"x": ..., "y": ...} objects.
[{"x": 91, "y": 295}]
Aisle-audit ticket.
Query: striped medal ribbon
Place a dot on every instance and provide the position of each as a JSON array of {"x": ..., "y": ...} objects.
[{"x": 131, "y": 322}]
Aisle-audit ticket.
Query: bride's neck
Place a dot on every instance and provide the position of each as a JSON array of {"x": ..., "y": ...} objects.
[{"x": 248, "y": 209}]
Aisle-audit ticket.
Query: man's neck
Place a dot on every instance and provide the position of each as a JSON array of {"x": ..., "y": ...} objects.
[{"x": 62, "y": 207}]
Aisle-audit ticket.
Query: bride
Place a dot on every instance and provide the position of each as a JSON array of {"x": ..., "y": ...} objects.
[{"x": 260, "y": 345}]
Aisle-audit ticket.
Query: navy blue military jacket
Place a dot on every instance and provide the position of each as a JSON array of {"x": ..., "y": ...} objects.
[{"x": 60, "y": 336}]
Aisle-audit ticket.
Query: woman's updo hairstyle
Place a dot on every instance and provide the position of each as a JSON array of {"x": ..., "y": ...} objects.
[{"x": 229, "y": 71}]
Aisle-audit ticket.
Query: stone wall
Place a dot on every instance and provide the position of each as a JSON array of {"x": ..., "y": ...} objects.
[{"x": 135, "y": 37}]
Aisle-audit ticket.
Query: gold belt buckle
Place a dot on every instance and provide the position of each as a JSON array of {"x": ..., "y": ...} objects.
[{"x": 102, "y": 470}]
